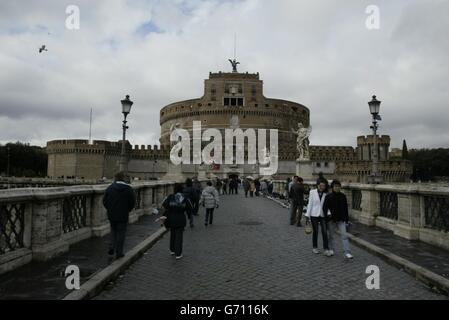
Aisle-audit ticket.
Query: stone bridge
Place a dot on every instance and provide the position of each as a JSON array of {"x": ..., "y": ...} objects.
[{"x": 251, "y": 251}]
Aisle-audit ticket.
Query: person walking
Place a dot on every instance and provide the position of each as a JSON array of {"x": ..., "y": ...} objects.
[
  {"x": 198, "y": 189},
  {"x": 297, "y": 201},
  {"x": 225, "y": 186},
  {"x": 316, "y": 215},
  {"x": 321, "y": 178},
  {"x": 264, "y": 188},
  {"x": 286, "y": 189},
  {"x": 252, "y": 188},
  {"x": 209, "y": 200},
  {"x": 270, "y": 187},
  {"x": 176, "y": 208},
  {"x": 257, "y": 183},
  {"x": 246, "y": 186},
  {"x": 119, "y": 199},
  {"x": 335, "y": 207},
  {"x": 232, "y": 186},
  {"x": 191, "y": 194},
  {"x": 219, "y": 185}
]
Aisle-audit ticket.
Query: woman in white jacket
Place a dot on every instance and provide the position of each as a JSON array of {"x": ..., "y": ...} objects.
[
  {"x": 316, "y": 216},
  {"x": 209, "y": 200}
]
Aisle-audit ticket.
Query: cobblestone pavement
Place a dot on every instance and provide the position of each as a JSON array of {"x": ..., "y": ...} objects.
[{"x": 251, "y": 252}]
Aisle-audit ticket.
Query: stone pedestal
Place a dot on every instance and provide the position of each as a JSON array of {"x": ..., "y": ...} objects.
[
  {"x": 174, "y": 173},
  {"x": 202, "y": 174},
  {"x": 304, "y": 169}
]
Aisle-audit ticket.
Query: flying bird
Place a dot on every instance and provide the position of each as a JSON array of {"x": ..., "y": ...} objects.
[{"x": 42, "y": 49}]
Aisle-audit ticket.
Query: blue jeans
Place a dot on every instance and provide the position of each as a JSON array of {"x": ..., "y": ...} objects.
[{"x": 332, "y": 227}]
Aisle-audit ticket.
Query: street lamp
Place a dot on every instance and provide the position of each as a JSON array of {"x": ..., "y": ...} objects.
[
  {"x": 374, "y": 108},
  {"x": 126, "y": 109},
  {"x": 8, "y": 165}
]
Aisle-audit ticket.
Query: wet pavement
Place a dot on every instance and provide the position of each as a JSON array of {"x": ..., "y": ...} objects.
[
  {"x": 46, "y": 280},
  {"x": 252, "y": 252},
  {"x": 430, "y": 257}
]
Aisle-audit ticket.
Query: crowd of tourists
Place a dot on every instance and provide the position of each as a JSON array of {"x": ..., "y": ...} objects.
[{"x": 325, "y": 208}]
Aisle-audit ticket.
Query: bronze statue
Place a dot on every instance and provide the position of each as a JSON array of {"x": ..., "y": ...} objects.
[{"x": 234, "y": 64}]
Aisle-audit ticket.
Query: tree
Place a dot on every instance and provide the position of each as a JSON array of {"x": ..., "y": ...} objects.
[
  {"x": 404, "y": 150},
  {"x": 429, "y": 163},
  {"x": 24, "y": 160}
]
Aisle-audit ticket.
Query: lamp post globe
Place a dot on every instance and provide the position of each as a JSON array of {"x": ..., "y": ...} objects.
[
  {"x": 126, "y": 105},
  {"x": 374, "y": 106},
  {"x": 126, "y": 109}
]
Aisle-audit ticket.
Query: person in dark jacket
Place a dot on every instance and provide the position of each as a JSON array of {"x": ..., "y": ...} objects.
[
  {"x": 335, "y": 207},
  {"x": 198, "y": 189},
  {"x": 119, "y": 199},
  {"x": 191, "y": 194},
  {"x": 321, "y": 178},
  {"x": 296, "y": 196},
  {"x": 257, "y": 183},
  {"x": 176, "y": 206}
]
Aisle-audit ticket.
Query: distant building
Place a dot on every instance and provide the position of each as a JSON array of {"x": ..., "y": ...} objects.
[{"x": 230, "y": 100}]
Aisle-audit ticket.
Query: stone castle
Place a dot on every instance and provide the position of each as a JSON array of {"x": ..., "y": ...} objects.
[{"x": 230, "y": 100}]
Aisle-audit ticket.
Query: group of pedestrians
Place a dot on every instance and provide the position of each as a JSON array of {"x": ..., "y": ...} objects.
[
  {"x": 327, "y": 211},
  {"x": 255, "y": 187}
]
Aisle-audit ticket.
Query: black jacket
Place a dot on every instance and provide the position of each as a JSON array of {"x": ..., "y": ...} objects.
[
  {"x": 338, "y": 205},
  {"x": 119, "y": 199},
  {"x": 297, "y": 193},
  {"x": 176, "y": 207},
  {"x": 191, "y": 193}
]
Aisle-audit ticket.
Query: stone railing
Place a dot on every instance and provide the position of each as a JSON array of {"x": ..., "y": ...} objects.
[
  {"x": 18, "y": 182},
  {"x": 411, "y": 211},
  {"x": 40, "y": 223}
]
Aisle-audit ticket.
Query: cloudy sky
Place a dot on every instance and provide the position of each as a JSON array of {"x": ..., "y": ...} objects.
[{"x": 319, "y": 53}]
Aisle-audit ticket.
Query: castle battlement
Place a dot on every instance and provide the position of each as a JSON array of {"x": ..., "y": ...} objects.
[
  {"x": 233, "y": 75},
  {"x": 110, "y": 148}
]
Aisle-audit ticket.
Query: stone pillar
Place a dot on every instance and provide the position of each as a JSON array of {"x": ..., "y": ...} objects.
[
  {"x": 409, "y": 219},
  {"x": 304, "y": 169},
  {"x": 99, "y": 219},
  {"x": 160, "y": 195},
  {"x": 147, "y": 201},
  {"x": 370, "y": 206},
  {"x": 47, "y": 223}
]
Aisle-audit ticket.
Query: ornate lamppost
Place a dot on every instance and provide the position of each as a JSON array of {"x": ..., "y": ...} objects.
[
  {"x": 126, "y": 109},
  {"x": 374, "y": 107}
]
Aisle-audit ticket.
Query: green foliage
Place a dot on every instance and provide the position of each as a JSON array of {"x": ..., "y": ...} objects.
[
  {"x": 24, "y": 160},
  {"x": 429, "y": 163}
]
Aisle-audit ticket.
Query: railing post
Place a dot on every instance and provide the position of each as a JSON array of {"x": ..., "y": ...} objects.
[
  {"x": 147, "y": 201},
  {"x": 47, "y": 231},
  {"x": 409, "y": 209},
  {"x": 99, "y": 219},
  {"x": 160, "y": 195},
  {"x": 370, "y": 205}
]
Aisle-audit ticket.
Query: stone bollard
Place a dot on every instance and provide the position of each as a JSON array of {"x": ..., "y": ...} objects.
[
  {"x": 409, "y": 208},
  {"x": 46, "y": 236},
  {"x": 99, "y": 219},
  {"x": 147, "y": 199},
  {"x": 370, "y": 205}
]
